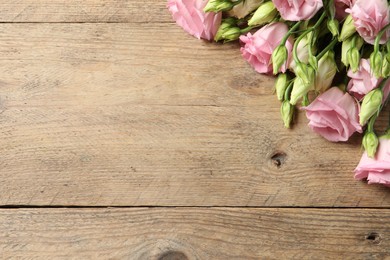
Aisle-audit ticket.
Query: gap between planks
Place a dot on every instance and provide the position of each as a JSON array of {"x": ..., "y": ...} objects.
[{"x": 5, "y": 207}]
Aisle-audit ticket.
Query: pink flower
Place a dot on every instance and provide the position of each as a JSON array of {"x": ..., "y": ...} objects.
[
  {"x": 258, "y": 48},
  {"x": 334, "y": 115},
  {"x": 190, "y": 16},
  {"x": 370, "y": 17},
  {"x": 362, "y": 81},
  {"x": 341, "y": 6},
  {"x": 376, "y": 170},
  {"x": 297, "y": 10}
]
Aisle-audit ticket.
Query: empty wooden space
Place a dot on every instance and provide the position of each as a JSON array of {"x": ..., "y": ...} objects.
[{"x": 121, "y": 137}]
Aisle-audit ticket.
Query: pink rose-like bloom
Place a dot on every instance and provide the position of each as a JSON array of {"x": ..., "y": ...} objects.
[
  {"x": 189, "y": 15},
  {"x": 362, "y": 81},
  {"x": 341, "y": 6},
  {"x": 297, "y": 10},
  {"x": 258, "y": 48},
  {"x": 370, "y": 17},
  {"x": 334, "y": 115},
  {"x": 376, "y": 170}
]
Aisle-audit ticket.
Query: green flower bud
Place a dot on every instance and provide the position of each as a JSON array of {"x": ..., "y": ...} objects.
[
  {"x": 332, "y": 10},
  {"x": 231, "y": 34},
  {"x": 370, "y": 105},
  {"x": 327, "y": 69},
  {"x": 224, "y": 6},
  {"x": 264, "y": 14},
  {"x": 287, "y": 112},
  {"x": 347, "y": 45},
  {"x": 333, "y": 26},
  {"x": 228, "y": 30},
  {"x": 225, "y": 25},
  {"x": 386, "y": 66},
  {"x": 376, "y": 63},
  {"x": 279, "y": 58},
  {"x": 281, "y": 85},
  {"x": 370, "y": 143},
  {"x": 299, "y": 90},
  {"x": 218, "y": 6},
  {"x": 348, "y": 29},
  {"x": 306, "y": 73},
  {"x": 211, "y": 6},
  {"x": 353, "y": 57}
]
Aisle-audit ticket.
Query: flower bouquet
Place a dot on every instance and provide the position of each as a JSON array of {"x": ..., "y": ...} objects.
[{"x": 331, "y": 59}]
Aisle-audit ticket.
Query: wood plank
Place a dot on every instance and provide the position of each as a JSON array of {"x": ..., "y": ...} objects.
[
  {"x": 110, "y": 114},
  {"x": 90, "y": 11},
  {"x": 195, "y": 233}
]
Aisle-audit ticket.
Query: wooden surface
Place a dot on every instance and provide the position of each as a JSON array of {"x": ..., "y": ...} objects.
[
  {"x": 110, "y": 104},
  {"x": 195, "y": 233}
]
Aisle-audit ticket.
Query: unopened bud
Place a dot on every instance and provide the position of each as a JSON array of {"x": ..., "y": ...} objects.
[
  {"x": 370, "y": 143},
  {"x": 279, "y": 58},
  {"x": 327, "y": 69},
  {"x": 225, "y": 25},
  {"x": 356, "y": 42},
  {"x": 376, "y": 63},
  {"x": 386, "y": 66},
  {"x": 306, "y": 73},
  {"x": 353, "y": 57},
  {"x": 287, "y": 113},
  {"x": 232, "y": 34},
  {"x": 218, "y": 6},
  {"x": 348, "y": 29},
  {"x": 303, "y": 51},
  {"x": 333, "y": 26},
  {"x": 228, "y": 30},
  {"x": 281, "y": 85},
  {"x": 370, "y": 105},
  {"x": 264, "y": 14},
  {"x": 299, "y": 90}
]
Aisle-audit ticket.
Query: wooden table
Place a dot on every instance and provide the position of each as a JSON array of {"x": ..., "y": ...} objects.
[{"x": 121, "y": 137}]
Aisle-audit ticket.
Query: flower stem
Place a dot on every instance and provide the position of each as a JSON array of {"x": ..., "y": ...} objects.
[
  {"x": 318, "y": 23},
  {"x": 330, "y": 46},
  {"x": 290, "y": 32},
  {"x": 288, "y": 90},
  {"x": 379, "y": 37},
  {"x": 371, "y": 123}
]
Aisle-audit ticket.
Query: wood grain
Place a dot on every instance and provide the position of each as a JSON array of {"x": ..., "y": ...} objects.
[
  {"x": 192, "y": 233},
  {"x": 86, "y": 11},
  {"x": 112, "y": 114}
]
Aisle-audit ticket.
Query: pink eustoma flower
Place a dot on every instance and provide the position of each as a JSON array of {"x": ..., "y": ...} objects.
[
  {"x": 341, "y": 6},
  {"x": 258, "y": 47},
  {"x": 189, "y": 15},
  {"x": 362, "y": 81},
  {"x": 370, "y": 17},
  {"x": 376, "y": 170},
  {"x": 297, "y": 10},
  {"x": 334, "y": 115}
]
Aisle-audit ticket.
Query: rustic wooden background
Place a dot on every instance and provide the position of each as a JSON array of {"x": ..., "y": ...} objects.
[{"x": 121, "y": 137}]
